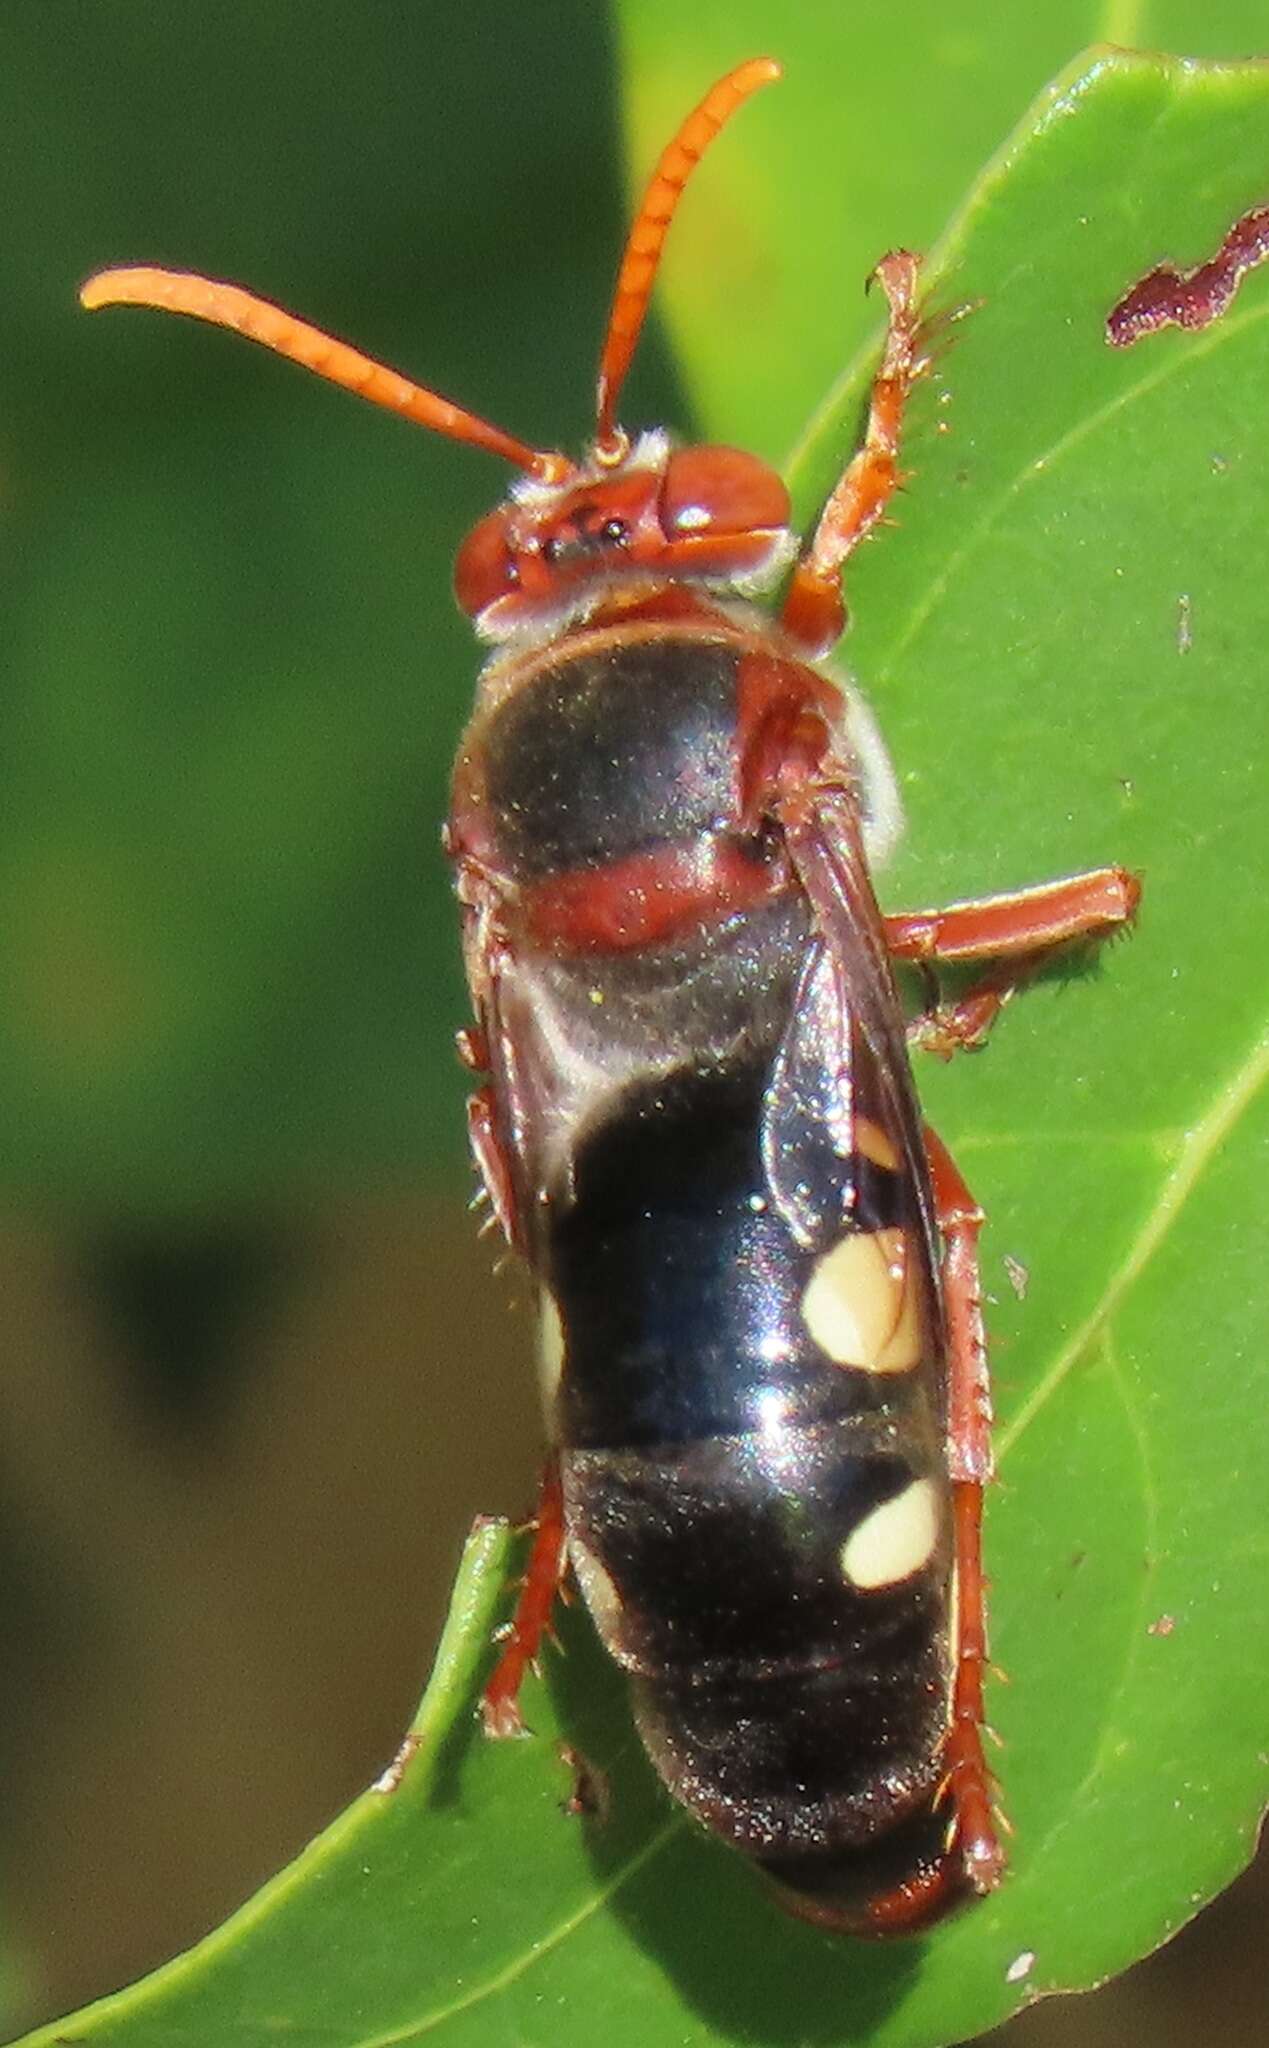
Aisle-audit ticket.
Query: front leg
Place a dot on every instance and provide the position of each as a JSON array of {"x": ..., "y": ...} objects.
[
  {"x": 1018, "y": 932},
  {"x": 814, "y": 613}
]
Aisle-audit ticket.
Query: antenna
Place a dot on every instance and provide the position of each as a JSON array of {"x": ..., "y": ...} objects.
[
  {"x": 226, "y": 305},
  {"x": 652, "y": 223}
]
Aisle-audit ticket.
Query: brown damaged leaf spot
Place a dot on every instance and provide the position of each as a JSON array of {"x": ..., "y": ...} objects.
[{"x": 1168, "y": 297}]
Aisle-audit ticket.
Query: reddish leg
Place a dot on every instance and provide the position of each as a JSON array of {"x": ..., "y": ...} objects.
[
  {"x": 522, "y": 1638},
  {"x": 968, "y": 1781},
  {"x": 814, "y": 614},
  {"x": 1019, "y": 931}
]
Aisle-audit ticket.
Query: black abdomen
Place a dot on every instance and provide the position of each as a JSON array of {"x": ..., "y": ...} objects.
[{"x": 723, "y": 1472}]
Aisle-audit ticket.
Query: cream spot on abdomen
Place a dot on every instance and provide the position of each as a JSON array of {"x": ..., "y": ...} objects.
[
  {"x": 550, "y": 1353},
  {"x": 875, "y": 1144},
  {"x": 895, "y": 1540},
  {"x": 861, "y": 1303}
]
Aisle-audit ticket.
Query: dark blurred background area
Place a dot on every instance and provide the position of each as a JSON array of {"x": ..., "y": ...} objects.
[{"x": 259, "y": 1370}]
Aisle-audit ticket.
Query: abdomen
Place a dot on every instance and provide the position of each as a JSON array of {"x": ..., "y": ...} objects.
[{"x": 749, "y": 1424}]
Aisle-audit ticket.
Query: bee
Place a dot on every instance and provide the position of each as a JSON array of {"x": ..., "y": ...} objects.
[{"x": 767, "y": 1391}]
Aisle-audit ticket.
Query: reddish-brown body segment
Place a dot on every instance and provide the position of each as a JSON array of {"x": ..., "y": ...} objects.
[{"x": 651, "y": 897}]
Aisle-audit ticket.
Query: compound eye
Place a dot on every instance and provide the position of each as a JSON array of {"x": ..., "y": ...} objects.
[
  {"x": 720, "y": 491},
  {"x": 485, "y": 568}
]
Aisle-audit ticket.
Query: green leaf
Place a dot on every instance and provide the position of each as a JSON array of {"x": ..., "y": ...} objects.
[
  {"x": 881, "y": 118},
  {"x": 1022, "y": 639}
]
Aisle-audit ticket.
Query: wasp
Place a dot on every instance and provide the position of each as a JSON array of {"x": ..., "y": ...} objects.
[{"x": 767, "y": 1390}]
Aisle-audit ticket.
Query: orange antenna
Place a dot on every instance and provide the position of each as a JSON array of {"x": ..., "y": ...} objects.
[
  {"x": 226, "y": 305},
  {"x": 652, "y": 224}
]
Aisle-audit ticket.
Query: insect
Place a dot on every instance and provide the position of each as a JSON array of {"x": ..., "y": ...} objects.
[{"x": 768, "y": 1397}]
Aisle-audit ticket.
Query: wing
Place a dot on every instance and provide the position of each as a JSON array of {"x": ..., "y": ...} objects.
[{"x": 843, "y": 1064}]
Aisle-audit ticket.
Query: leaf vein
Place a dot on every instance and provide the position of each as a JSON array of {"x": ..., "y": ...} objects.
[
  {"x": 1201, "y": 1145},
  {"x": 1071, "y": 1814},
  {"x": 1219, "y": 333},
  {"x": 397, "y": 2037}
]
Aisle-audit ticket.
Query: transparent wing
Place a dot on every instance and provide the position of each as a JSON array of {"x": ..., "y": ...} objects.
[{"x": 843, "y": 1060}]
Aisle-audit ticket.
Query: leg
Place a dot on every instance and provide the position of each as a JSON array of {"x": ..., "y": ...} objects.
[
  {"x": 482, "y": 1134},
  {"x": 539, "y": 1587},
  {"x": 968, "y": 1780},
  {"x": 481, "y": 893},
  {"x": 814, "y": 613},
  {"x": 1018, "y": 932}
]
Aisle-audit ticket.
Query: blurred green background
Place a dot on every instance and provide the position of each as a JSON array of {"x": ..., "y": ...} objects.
[{"x": 257, "y": 1377}]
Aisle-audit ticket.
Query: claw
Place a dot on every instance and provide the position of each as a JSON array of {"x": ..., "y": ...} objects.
[{"x": 502, "y": 1720}]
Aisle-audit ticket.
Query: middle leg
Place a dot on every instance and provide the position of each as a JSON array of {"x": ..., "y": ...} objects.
[{"x": 1018, "y": 932}]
